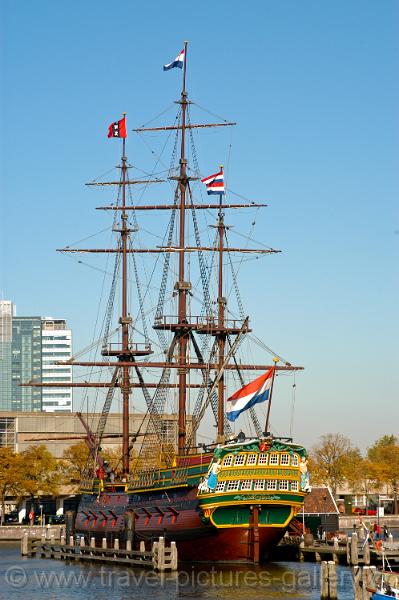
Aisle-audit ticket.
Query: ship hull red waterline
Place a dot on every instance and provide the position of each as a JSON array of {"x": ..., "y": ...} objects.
[{"x": 176, "y": 516}]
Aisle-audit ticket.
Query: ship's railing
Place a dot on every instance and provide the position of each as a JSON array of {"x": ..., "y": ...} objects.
[
  {"x": 200, "y": 322},
  {"x": 133, "y": 347}
]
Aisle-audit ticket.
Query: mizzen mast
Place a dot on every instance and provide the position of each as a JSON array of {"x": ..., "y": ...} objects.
[{"x": 221, "y": 300}]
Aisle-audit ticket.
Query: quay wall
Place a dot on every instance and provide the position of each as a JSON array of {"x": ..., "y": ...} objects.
[{"x": 10, "y": 533}]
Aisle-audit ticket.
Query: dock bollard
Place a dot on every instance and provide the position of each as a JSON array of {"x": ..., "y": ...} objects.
[
  {"x": 82, "y": 543},
  {"x": 92, "y": 542},
  {"x": 104, "y": 543},
  {"x": 116, "y": 544},
  {"x": 62, "y": 540},
  {"x": 129, "y": 545}
]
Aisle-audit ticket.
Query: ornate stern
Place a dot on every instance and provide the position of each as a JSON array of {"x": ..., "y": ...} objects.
[{"x": 262, "y": 482}]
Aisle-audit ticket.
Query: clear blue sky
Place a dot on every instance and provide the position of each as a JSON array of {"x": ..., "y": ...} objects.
[{"x": 314, "y": 88}]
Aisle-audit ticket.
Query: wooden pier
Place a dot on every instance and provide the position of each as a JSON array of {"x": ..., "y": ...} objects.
[
  {"x": 353, "y": 552},
  {"x": 159, "y": 558}
]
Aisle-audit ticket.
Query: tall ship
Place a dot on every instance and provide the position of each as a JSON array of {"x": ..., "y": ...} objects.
[{"x": 232, "y": 498}]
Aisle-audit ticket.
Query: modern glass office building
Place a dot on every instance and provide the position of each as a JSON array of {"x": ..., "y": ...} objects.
[
  {"x": 56, "y": 345},
  {"x": 29, "y": 349},
  {"x": 26, "y": 363},
  {"x": 6, "y": 314}
]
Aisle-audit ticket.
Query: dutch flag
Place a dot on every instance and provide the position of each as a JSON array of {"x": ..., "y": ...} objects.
[
  {"x": 257, "y": 391},
  {"x": 214, "y": 183},
  {"x": 178, "y": 62}
]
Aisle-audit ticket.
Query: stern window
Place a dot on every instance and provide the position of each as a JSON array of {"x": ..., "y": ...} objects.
[
  {"x": 232, "y": 486},
  {"x": 273, "y": 459},
  {"x": 285, "y": 459},
  {"x": 239, "y": 459},
  {"x": 246, "y": 485},
  {"x": 262, "y": 458},
  {"x": 272, "y": 484},
  {"x": 283, "y": 485},
  {"x": 251, "y": 460},
  {"x": 259, "y": 484},
  {"x": 294, "y": 460},
  {"x": 228, "y": 460},
  {"x": 294, "y": 486}
]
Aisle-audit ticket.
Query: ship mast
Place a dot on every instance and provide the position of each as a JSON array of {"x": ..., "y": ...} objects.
[
  {"x": 221, "y": 308},
  {"x": 182, "y": 286},
  {"x": 125, "y": 321}
]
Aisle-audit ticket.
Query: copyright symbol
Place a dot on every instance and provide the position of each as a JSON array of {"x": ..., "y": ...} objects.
[{"x": 16, "y": 577}]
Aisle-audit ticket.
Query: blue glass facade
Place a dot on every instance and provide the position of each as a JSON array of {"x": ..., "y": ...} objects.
[
  {"x": 26, "y": 363},
  {"x": 6, "y": 314}
]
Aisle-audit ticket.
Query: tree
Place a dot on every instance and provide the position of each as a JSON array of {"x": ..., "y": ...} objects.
[
  {"x": 73, "y": 462},
  {"x": 383, "y": 459},
  {"x": 332, "y": 460},
  {"x": 9, "y": 477},
  {"x": 39, "y": 471},
  {"x": 355, "y": 469}
]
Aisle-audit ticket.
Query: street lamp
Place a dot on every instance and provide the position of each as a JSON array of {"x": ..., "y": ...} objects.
[{"x": 41, "y": 514}]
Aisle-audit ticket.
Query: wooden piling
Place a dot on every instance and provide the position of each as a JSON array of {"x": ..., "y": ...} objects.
[
  {"x": 160, "y": 563},
  {"x": 336, "y": 548},
  {"x": 357, "y": 583},
  {"x": 173, "y": 557},
  {"x": 332, "y": 579},
  {"x": 354, "y": 550},
  {"x": 328, "y": 580},
  {"x": 366, "y": 554},
  {"x": 369, "y": 581},
  {"x": 301, "y": 554},
  {"x": 324, "y": 580},
  {"x": 25, "y": 545},
  {"x": 128, "y": 545}
]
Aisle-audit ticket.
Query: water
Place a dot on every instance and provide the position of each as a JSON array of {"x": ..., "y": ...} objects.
[{"x": 44, "y": 579}]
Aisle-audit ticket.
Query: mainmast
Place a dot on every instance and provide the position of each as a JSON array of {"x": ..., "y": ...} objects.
[{"x": 182, "y": 285}]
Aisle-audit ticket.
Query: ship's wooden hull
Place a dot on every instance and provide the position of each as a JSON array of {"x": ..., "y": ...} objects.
[
  {"x": 176, "y": 516},
  {"x": 237, "y": 518}
]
